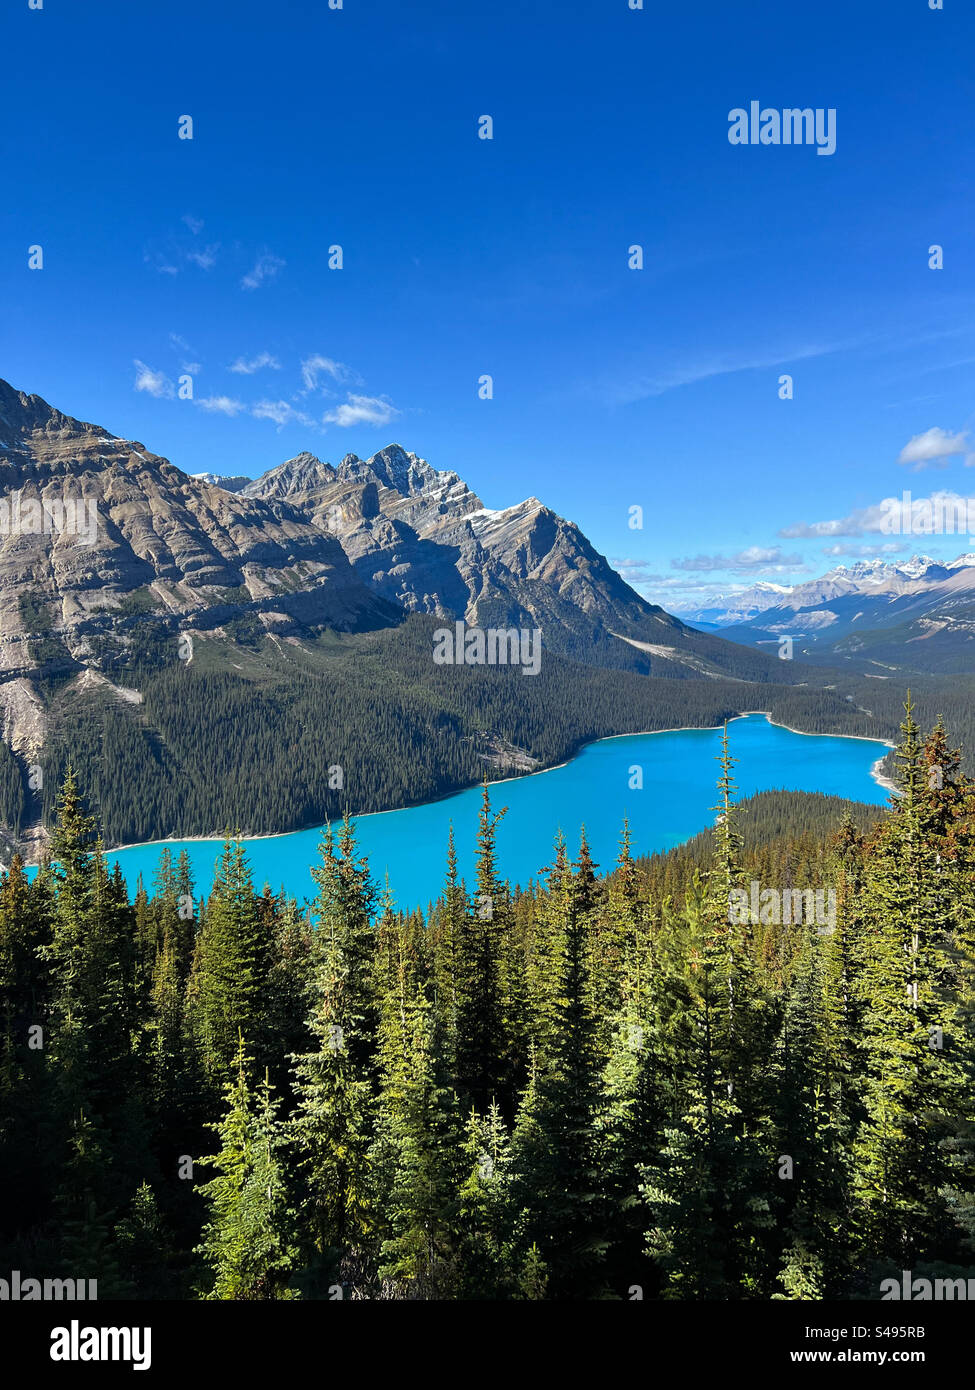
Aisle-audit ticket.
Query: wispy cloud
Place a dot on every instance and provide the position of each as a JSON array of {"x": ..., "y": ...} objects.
[
  {"x": 362, "y": 410},
  {"x": 221, "y": 405},
  {"x": 865, "y": 521},
  {"x": 266, "y": 267},
  {"x": 152, "y": 382},
  {"x": 679, "y": 593},
  {"x": 282, "y": 413},
  {"x": 634, "y": 571},
  {"x": 181, "y": 346},
  {"x": 195, "y": 224},
  {"x": 625, "y": 388},
  {"x": 315, "y": 367},
  {"x": 934, "y": 448},
  {"x": 356, "y": 409},
  {"x": 756, "y": 557},
  {"x": 206, "y": 258},
  {"x": 173, "y": 256},
  {"x": 248, "y": 366}
]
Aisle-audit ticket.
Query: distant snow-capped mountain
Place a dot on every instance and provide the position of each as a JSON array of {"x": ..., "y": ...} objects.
[
  {"x": 873, "y": 577},
  {"x": 236, "y": 484},
  {"x": 915, "y": 615},
  {"x": 740, "y": 606}
]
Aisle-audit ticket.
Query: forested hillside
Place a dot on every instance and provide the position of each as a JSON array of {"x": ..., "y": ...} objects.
[
  {"x": 787, "y": 840},
  {"x": 560, "y": 1094}
]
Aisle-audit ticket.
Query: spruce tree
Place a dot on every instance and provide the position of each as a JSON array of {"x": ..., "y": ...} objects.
[{"x": 248, "y": 1240}]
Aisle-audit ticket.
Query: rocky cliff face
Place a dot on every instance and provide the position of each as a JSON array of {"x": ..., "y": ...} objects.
[
  {"x": 421, "y": 538},
  {"x": 96, "y": 531},
  {"x": 105, "y": 545}
]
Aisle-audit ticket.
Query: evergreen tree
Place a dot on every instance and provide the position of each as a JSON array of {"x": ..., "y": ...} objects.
[
  {"x": 230, "y": 965},
  {"x": 335, "y": 1082},
  {"x": 555, "y": 1155},
  {"x": 483, "y": 1067},
  {"x": 248, "y": 1241}
]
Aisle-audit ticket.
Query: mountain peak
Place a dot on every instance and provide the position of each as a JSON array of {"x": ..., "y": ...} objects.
[
  {"x": 22, "y": 415},
  {"x": 918, "y": 566},
  {"x": 302, "y": 475},
  {"x": 305, "y": 459},
  {"x": 393, "y": 467}
]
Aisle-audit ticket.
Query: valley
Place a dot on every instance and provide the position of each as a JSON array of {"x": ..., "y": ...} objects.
[{"x": 311, "y": 599}]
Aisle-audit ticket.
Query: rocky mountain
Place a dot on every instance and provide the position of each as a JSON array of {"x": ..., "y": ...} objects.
[
  {"x": 738, "y": 607},
  {"x": 110, "y": 555},
  {"x": 236, "y": 484},
  {"x": 307, "y": 546},
  {"x": 97, "y": 533},
  {"x": 421, "y": 538},
  {"x": 873, "y": 577},
  {"x": 917, "y": 615}
]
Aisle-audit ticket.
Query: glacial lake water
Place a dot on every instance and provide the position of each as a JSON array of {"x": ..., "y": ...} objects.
[{"x": 679, "y": 775}]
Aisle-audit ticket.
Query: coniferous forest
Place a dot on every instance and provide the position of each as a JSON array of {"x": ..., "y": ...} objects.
[
  {"x": 589, "y": 1087},
  {"x": 246, "y": 738}
]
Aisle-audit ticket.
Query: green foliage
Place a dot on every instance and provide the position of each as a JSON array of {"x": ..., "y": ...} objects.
[
  {"x": 550, "y": 1093},
  {"x": 246, "y": 1241}
]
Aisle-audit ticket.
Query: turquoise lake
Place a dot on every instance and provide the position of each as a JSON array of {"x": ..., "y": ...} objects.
[{"x": 679, "y": 775}]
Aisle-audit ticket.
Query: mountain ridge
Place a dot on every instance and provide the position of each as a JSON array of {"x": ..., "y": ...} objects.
[
  {"x": 914, "y": 616},
  {"x": 422, "y": 538}
]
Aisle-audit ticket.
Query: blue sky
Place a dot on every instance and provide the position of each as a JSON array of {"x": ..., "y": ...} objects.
[{"x": 462, "y": 257}]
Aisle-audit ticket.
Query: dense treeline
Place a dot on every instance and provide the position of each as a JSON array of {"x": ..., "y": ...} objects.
[
  {"x": 786, "y": 842},
  {"x": 13, "y": 799},
  {"x": 257, "y": 748},
  {"x": 549, "y": 1094}
]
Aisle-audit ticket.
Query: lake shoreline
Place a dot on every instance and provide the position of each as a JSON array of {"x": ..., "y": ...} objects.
[
  {"x": 605, "y": 738},
  {"x": 877, "y": 775}
]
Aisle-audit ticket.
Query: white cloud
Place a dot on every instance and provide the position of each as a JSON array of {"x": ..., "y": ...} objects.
[
  {"x": 221, "y": 405},
  {"x": 265, "y": 268},
  {"x": 313, "y": 367},
  {"x": 180, "y": 345},
  {"x": 361, "y": 410},
  {"x": 282, "y": 413},
  {"x": 195, "y": 224},
  {"x": 205, "y": 259},
  {"x": 861, "y": 522},
  {"x": 635, "y": 571},
  {"x": 754, "y": 558},
  {"x": 173, "y": 257},
  {"x": 152, "y": 382},
  {"x": 934, "y": 446},
  {"x": 629, "y": 387},
  {"x": 247, "y": 367},
  {"x": 873, "y": 520}
]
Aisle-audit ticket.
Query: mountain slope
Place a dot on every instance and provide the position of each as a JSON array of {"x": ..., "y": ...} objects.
[
  {"x": 422, "y": 538},
  {"x": 188, "y": 550}
]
